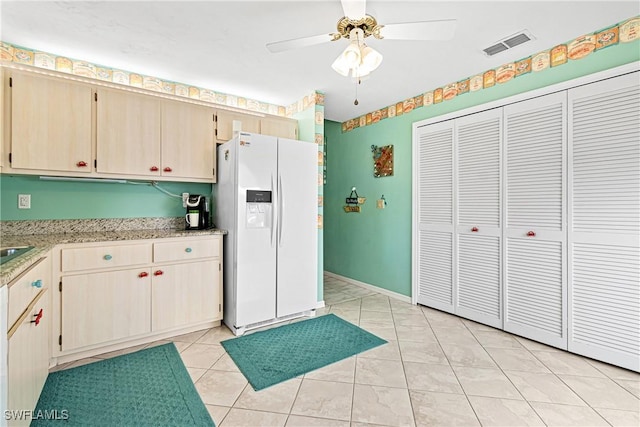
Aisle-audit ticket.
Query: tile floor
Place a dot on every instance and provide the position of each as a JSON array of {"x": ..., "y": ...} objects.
[{"x": 436, "y": 370}]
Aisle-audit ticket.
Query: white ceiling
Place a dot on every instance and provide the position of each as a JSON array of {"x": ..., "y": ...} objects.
[{"x": 220, "y": 45}]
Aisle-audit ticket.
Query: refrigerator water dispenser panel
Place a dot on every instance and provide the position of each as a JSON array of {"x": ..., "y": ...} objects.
[{"x": 258, "y": 209}]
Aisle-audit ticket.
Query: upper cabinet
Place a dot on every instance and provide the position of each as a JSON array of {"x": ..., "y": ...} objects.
[
  {"x": 279, "y": 126},
  {"x": 225, "y": 119},
  {"x": 188, "y": 144},
  {"x": 50, "y": 124},
  {"x": 128, "y": 133},
  {"x": 55, "y": 126},
  {"x": 272, "y": 125}
]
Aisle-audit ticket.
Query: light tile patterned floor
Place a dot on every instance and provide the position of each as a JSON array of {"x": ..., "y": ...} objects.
[{"x": 436, "y": 370}]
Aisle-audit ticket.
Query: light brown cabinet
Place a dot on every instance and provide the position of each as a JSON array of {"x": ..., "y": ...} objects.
[
  {"x": 280, "y": 127},
  {"x": 128, "y": 133},
  {"x": 50, "y": 124},
  {"x": 113, "y": 293},
  {"x": 28, "y": 336},
  {"x": 188, "y": 141},
  {"x": 224, "y": 124}
]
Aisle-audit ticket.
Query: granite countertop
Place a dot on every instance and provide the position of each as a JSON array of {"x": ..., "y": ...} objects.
[{"x": 44, "y": 242}]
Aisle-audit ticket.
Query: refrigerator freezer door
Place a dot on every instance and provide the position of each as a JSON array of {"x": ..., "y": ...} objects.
[
  {"x": 298, "y": 233},
  {"x": 256, "y": 249}
]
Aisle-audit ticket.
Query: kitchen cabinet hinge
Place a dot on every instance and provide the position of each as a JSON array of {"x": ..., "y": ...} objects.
[
  {"x": 9, "y": 157},
  {"x": 219, "y": 267},
  {"x": 219, "y": 308},
  {"x": 214, "y": 171},
  {"x": 95, "y": 163},
  {"x": 10, "y": 81},
  {"x": 216, "y": 132},
  {"x": 95, "y": 96},
  {"x": 215, "y": 118},
  {"x": 60, "y": 340},
  {"x": 60, "y": 286}
]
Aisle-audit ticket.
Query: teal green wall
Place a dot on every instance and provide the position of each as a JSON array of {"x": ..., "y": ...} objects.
[
  {"x": 374, "y": 246},
  {"x": 76, "y": 200},
  {"x": 307, "y": 129}
]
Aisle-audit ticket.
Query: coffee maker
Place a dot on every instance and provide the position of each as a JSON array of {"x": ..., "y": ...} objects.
[{"x": 197, "y": 217}]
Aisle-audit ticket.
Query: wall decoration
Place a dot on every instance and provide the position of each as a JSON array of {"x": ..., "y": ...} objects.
[
  {"x": 382, "y": 161},
  {"x": 50, "y": 61},
  {"x": 623, "y": 32},
  {"x": 354, "y": 201}
]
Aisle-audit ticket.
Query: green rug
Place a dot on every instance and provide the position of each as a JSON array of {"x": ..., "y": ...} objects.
[
  {"x": 150, "y": 387},
  {"x": 275, "y": 355}
]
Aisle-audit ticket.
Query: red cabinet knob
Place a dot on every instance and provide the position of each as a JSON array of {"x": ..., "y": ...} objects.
[
  {"x": 143, "y": 274},
  {"x": 167, "y": 169},
  {"x": 37, "y": 318},
  {"x": 531, "y": 234},
  {"x": 474, "y": 229},
  {"x": 153, "y": 169},
  {"x": 158, "y": 273},
  {"x": 81, "y": 164}
]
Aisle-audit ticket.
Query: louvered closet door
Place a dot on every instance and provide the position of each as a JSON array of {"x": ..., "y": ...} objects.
[
  {"x": 435, "y": 216},
  {"x": 478, "y": 227},
  {"x": 535, "y": 235},
  {"x": 604, "y": 192}
]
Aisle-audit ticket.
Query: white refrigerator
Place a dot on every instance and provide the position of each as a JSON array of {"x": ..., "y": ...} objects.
[{"x": 266, "y": 197}]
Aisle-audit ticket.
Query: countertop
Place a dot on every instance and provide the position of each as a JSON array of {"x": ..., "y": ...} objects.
[{"x": 43, "y": 243}]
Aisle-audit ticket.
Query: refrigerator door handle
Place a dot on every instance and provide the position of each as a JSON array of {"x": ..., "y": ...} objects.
[
  {"x": 273, "y": 229},
  {"x": 280, "y": 210}
]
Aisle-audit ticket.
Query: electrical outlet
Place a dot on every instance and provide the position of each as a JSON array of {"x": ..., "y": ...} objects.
[
  {"x": 24, "y": 201},
  {"x": 185, "y": 196}
]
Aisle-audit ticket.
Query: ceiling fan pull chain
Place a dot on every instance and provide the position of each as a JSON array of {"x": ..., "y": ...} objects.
[{"x": 357, "y": 83}]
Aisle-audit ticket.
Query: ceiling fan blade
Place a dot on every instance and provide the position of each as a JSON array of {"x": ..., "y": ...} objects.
[
  {"x": 281, "y": 46},
  {"x": 354, "y": 9},
  {"x": 427, "y": 30}
]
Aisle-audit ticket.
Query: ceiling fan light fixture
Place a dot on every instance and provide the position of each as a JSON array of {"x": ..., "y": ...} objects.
[
  {"x": 341, "y": 67},
  {"x": 352, "y": 55},
  {"x": 371, "y": 58}
]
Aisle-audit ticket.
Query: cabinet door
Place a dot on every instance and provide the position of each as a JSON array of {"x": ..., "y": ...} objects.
[
  {"x": 280, "y": 127},
  {"x": 224, "y": 124},
  {"x": 128, "y": 129},
  {"x": 188, "y": 144},
  {"x": 184, "y": 294},
  {"x": 478, "y": 229},
  {"x": 535, "y": 233},
  {"x": 50, "y": 124},
  {"x": 102, "y": 307},
  {"x": 604, "y": 226},
  {"x": 28, "y": 359},
  {"x": 434, "y": 248}
]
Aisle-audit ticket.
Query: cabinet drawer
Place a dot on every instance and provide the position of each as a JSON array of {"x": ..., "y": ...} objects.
[
  {"x": 25, "y": 288},
  {"x": 186, "y": 250},
  {"x": 105, "y": 257}
]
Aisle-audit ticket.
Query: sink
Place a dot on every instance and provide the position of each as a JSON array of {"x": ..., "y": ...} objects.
[{"x": 9, "y": 253}]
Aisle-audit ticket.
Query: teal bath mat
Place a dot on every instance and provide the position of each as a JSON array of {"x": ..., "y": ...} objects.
[
  {"x": 150, "y": 387},
  {"x": 275, "y": 355}
]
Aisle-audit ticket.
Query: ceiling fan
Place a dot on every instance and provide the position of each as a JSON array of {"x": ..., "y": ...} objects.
[{"x": 358, "y": 59}]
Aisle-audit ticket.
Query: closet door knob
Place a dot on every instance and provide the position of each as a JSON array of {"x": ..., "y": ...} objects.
[
  {"x": 531, "y": 234},
  {"x": 188, "y": 250},
  {"x": 107, "y": 257},
  {"x": 474, "y": 229},
  {"x": 37, "y": 283}
]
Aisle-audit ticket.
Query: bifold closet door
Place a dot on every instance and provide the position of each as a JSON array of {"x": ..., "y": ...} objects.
[
  {"x": 604, "y": 227},
  {"x": 535, "y": 231},
  {"x": 478, "y": 294},
  {"x": 434, "y": 257}
]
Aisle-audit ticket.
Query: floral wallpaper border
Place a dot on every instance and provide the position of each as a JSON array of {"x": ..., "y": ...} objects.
[
  {"x": 25, "y": 56},
  {"x": 623, "y": 32}
]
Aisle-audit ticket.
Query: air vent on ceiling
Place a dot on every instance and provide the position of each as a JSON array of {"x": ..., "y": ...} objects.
[{"x": 508, "y": 42}]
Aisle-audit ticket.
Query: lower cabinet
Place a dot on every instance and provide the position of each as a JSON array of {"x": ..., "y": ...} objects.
[
  {"x": 176, "y": 283},
  {"x": 183, "y": 294},
  {"x": 28, "y": 359},
  {"x": 104, "y": 307}
]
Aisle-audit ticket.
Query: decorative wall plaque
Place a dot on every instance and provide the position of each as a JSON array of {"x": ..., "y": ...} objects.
[{"x": 382, "y": 161}]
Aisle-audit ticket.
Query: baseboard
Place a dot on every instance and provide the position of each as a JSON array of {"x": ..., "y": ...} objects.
[
  {"x": 374, "y": 288},
  {"x": 320, "y": 304}
]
